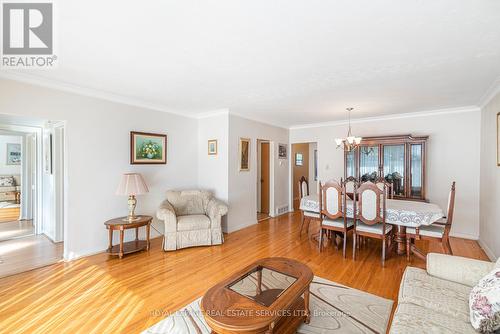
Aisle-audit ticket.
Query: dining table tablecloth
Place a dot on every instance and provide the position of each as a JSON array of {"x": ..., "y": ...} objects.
[{"x": 398, "y": 212}]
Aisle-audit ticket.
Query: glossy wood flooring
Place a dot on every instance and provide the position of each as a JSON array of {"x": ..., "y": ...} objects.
[{"x": 102, "y": 294}]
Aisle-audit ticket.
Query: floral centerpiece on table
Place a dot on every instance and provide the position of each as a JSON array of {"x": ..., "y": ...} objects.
[{"x": 150, "y": 150}]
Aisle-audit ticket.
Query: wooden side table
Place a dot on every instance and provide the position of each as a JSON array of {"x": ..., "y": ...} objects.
[{"x": 132, "y": 246}]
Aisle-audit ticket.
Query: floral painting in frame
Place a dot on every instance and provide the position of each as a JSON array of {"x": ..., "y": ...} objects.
[
  {"x": 148, "y": 148},
  {"x": 244, "y": 154}
]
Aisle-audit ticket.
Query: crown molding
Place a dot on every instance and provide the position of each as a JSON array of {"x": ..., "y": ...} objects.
[
  {"x": 89, "y": 92},
  {"x": 425, "y": 113},
  {"x": 259, "y": 120},
  {"x": 214, "y": 113},
  {"x": 492, "y": 91}
]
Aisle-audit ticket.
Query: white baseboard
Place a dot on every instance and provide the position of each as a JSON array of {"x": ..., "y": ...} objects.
[
  {"x": 464, "y": 236},
  {"x": 487, "y": 250}
]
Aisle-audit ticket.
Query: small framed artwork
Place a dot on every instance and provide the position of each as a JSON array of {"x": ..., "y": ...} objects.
[
  {"x": 13, "y": 154},
  {"x": 299, "y": 159},
  {"x": 148, "y": 148},
  {"x": 47, "y": 153},
  {"x": 498, "y": 139},
  {"x": 212, "y": 147},
  {"x": 282, "y": 151},
  {"x": 244, "y": 154}
]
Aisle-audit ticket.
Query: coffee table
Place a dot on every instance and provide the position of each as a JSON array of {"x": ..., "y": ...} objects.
[{"x": 264, "y": 297}]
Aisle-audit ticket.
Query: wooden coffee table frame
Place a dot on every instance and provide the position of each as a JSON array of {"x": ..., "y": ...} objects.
[
  {"x": 228, "y": 312},
  {"x": 118, "y": 224}
]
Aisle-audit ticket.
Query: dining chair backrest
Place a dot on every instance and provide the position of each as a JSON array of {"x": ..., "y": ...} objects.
[
  {"x": 383, "y": 185},
  {"x": 331, "y": 200},
  {"x": 371, "y": 204},
  {"x": 350, "y": 184},
  {"x": 303, "y": 187},
  {"x": 451, "y": 205}
]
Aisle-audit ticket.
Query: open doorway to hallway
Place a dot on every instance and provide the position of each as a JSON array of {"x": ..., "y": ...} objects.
[
  {"x": 263, "y": 179},
  {"x": 304, "y": 165},
  {"x": 31, "y": 193}
]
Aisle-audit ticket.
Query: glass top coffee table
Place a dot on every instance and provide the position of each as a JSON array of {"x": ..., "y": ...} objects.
[{"x": 270, "y": 295}]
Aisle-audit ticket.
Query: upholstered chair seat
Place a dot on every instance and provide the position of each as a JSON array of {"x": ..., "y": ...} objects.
[
  {"x": 434, "y": 231},
  {"x": 375, "y": 229},
  {"x": 336, "y": 222},
  {"x": 191, "y": 218}
]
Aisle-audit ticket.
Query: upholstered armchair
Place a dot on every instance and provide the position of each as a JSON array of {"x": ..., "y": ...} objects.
[{"x": 192, "y": 218}]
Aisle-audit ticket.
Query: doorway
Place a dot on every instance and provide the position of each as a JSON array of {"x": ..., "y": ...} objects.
[
  {"x": 304, "y": 164},
  {"x": 263, "y": 179},
  {"x": 34, "y": 237}
]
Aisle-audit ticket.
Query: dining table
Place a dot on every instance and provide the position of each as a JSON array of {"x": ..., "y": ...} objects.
[{"x": 399, "y": 213}]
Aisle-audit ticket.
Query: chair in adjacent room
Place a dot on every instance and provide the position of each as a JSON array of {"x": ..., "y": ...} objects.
[{"x": 306, "y": 215}]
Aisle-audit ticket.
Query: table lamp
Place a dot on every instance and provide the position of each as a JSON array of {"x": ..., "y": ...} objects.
[{"x": 132, "y": 184}]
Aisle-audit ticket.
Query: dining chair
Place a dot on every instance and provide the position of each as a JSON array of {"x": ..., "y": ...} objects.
[
  {"x": 350, "y": 185},
  {"x": 369, "y": 216},
  {"x": 332, "y": 205},
  {"x": 306, "y": 215},
  {"x": 382, "y": 184},
  {"x": 437, "y": 231}
]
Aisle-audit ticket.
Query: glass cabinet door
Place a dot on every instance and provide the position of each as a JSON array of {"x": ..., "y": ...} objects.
[
  {"x": 416, "y": 170},
  {"x": 394, "y": 167},
  {"x": 368, "y": 162},
  {"x": 350, "y": 163}
]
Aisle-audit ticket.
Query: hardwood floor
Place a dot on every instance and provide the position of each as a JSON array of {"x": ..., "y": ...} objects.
[
  {"x": 16, "y": 229},
  {"x": 22, "y": 254},
  {"x": 102, "y": 294}
]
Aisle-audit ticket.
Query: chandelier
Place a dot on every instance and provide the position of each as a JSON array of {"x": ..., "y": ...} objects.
[{"x": 350, "y": 142}]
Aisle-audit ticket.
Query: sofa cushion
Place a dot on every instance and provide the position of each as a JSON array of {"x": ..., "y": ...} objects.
[
  {"x": 189, "y": 202},
  {"x": 193, "y": 222},
  {"x": 411, "y": 318},
  {"x": 484, "y": 303},
  {"x": 438, "y": 295}
]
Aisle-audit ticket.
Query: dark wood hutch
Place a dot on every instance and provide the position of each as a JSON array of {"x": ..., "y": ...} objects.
[{"x": 401, "y": 160}]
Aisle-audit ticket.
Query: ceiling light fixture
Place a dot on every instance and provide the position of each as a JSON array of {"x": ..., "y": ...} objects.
[{"x": 350, "y": 142}]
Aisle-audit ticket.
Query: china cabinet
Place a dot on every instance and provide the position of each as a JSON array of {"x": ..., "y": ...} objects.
[{"x": 399, "y": 159}]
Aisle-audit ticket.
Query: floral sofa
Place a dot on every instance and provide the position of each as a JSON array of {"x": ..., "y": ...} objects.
[
  {"x": 436, "y": 300},
  {"x": 192, "y": 218}
]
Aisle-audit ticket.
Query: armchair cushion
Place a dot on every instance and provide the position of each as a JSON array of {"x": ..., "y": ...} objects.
[
  {"x": 216, "y": 208},
  {"x": 193, "y": 222},
  {"x": 189, "y": 202},
  {"x": 457, "y": 269}
]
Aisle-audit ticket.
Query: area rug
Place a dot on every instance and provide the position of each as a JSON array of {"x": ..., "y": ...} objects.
[{"x": 335, "y": 308}]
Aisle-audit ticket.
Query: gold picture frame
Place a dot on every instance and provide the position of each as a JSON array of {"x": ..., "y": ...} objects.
[
  {"x": 244, "y": 155},
  {"x": 212, "y": 147}
]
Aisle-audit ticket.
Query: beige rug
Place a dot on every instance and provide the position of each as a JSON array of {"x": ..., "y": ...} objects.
[{"x": 335, "y": 308}]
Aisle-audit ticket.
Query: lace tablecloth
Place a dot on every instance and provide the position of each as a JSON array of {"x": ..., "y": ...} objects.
[{"x": 398, "y": 212}]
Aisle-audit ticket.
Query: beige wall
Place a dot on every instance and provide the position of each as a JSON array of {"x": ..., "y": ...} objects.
[
  {"x": 489, "y": 235},
  {"x": 453, "y": 155}
]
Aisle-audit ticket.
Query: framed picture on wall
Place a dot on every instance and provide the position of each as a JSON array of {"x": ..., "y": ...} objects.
[
  {"x": 282, "y": 151},
  {"x": 148, "y": 148},
  {"x": 47, "y": 153},
  {"x": 244, "y": 154},
  {"x": 498, "y": 139},
  {"x": 13, "y": 154},
  {"x": 315, "y": 165},
  {"x": 212, "y": 147}
]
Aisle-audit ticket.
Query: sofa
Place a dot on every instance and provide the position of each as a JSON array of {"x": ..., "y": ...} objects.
[
  {"x": 436, "y": 300},
  {"x": 191, "y": 218}
]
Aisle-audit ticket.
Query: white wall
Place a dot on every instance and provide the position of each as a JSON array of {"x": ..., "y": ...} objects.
[
  {"x": 453, "y": 155},
  {"x": 489, "y": 235},
  {"x": 97, "y": 153},
  {"x": 4, "y": 168},
  {"x": 243, "y": 185}
]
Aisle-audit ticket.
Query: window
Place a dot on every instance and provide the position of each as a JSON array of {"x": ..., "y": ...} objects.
[{"x": 299, "y": 159}]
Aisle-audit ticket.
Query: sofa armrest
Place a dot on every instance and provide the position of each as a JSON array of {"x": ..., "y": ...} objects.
[
  {"x": 457, "y": 269},
  {"x": 167, "y": 213}
]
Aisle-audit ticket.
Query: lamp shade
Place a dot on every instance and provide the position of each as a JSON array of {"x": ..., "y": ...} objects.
[{"x": 132, "y": 184}]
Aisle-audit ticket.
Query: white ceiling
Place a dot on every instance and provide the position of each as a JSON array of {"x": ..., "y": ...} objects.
[{"x": 287, "y": 62}]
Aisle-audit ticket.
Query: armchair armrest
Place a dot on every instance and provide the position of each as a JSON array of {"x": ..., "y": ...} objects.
[
  {"x": 167, "y": 213},
  {"x": 216, "y": 209},
  {"x": 457, "y": 269}
]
